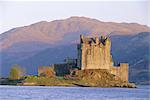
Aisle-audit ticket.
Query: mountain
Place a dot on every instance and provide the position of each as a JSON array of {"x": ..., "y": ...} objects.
[
  {"x": 59, "y": 31},
  {"x": 133, "y": 49},
  {"x": 45, "y": 43}
]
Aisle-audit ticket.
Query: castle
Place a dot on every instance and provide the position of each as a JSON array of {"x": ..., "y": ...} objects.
[{"x": 93, "y": 53}]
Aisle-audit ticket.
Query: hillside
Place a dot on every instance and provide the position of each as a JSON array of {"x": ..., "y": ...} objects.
[
  {"x": 134, "y": 50},
  {"x": 61, "y": 31}
]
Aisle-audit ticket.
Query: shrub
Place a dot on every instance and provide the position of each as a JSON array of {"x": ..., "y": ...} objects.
[{"x": 16, "y": 72}]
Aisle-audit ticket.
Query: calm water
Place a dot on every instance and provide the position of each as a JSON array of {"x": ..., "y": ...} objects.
[{"x": 72, "y": 93}]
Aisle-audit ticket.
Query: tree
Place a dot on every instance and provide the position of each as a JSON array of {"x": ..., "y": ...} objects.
[{"x": 16, "y": 72}]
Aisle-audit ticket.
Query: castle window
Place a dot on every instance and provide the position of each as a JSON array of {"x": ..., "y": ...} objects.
[{"x": 88, "y": 51}]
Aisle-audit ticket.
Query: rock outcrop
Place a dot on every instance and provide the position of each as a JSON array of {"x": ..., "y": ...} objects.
[{"x": 98, "y": 78}]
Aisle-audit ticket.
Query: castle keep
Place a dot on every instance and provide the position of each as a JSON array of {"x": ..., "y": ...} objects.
[{"x": 94, "y": 53}]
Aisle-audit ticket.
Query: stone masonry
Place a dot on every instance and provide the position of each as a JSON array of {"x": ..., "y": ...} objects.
[{"x": 95, "y": 53}]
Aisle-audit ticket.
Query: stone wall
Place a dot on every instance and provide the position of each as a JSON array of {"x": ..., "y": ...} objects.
[
  {"x": 120, "y": 71},
  {"x": 123, "y": 71},
  {"x": 62, "y": 69},
  {"x": 95, "y": 53},
  {"x": 59, "y": 69},
  {"x": 46, "y": 71},
  {"x": 42, "y": 70},
  {"x": 66, "y": 67}
]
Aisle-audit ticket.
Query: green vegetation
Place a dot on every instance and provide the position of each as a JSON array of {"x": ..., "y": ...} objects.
[
  {"x": 16, "y": 73},
  {"x": 46, "y": 81}
]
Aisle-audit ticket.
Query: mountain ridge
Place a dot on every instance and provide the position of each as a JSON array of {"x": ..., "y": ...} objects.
[{"x": 53, "y": 32}]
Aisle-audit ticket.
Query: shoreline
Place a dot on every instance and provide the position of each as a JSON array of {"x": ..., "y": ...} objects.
[
  {"x": 75, "y": 85},
  {"x": 64, "y": 86}
]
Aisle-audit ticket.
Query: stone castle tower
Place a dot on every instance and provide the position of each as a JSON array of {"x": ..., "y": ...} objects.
[{"x": 94, "y": 53}]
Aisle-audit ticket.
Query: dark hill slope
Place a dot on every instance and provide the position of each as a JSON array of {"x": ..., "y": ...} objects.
[{"x": 134, "y": 50}]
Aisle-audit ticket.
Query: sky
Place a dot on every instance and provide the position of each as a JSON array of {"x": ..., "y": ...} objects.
[{"x": 16, "y": 14}]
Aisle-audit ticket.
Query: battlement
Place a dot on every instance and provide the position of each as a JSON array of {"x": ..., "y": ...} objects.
[{"x": 94, "y": 41}]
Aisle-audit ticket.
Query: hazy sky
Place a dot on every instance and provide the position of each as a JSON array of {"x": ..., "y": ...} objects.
[{"x": 16, "y": 14}]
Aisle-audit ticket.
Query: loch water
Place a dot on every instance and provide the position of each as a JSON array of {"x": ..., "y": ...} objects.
[{"x": 73, "y": 93}]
